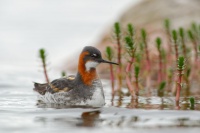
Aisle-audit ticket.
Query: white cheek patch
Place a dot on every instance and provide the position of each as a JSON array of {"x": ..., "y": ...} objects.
[{"x": 91, "y": 64}]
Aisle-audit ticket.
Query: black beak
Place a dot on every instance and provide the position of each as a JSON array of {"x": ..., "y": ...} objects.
[{"x": 104, "y": 61}]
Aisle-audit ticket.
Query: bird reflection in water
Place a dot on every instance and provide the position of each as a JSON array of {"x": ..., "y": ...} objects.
[
  {"x": 89, "y": 119},
  {"x": 85, "y": 119}
]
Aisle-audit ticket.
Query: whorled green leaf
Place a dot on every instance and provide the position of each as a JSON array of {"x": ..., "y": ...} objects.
[
  {"x": 167, "y": 24},
  {"x": 143, "y": 34},
  {"x": 42, "y": 54},
  {"x": 188, "y": 72},
  {"x": 136, "y": 69},
  {"x": 162, "y": 85},
  {"x": 109, "y": 53},
  {"x": 138, "y": 57},
  {"x": 181, "y": 32},
  {"x": 130, "y": 30},
  {"x": 181, "y": 63},
  {"x": 141, "y": 46},
  {"x": 163, "y": 53},
  {"x": 129, "y": 43},
  {"x": 190, "y": 34},
  {"x": 158, "y": 43},
  {"x": 63, "y": 73},
  {"x": 117, "y": 29},
  {"x": 194, "y": 28},
  {"x": 174, "y": 35},
  {"x": 170, "y": 72},
  {"x": 192, "y": 102}
]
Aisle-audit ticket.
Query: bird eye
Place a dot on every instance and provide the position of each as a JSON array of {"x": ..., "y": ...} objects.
[{"x": 94, "y": 55}]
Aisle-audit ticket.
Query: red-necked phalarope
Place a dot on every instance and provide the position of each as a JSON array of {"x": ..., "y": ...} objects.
[{"x": 83, "y": 89}]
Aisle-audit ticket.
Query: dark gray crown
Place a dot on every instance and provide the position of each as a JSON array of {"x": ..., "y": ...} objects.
[{"x": 92, "y": 50}]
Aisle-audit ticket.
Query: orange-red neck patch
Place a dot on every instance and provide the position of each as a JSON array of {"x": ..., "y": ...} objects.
[{"x": 87, "y": 76}]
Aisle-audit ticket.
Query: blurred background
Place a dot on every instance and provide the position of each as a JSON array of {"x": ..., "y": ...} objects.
[{"x": 62, "y": 27}]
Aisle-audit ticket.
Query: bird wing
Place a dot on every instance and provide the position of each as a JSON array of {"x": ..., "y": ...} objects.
[
  {"x": 61, "y": 85},
  {"x": 40, "y": 88}
]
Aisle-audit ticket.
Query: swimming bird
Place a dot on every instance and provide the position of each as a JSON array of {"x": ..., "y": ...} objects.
[{"x": 84, "y": 89}]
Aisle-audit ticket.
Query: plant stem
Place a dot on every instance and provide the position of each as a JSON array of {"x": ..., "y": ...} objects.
[
  {"x": 120, "y": 65},
  {"x": 159, "y": 42},
  {"x": 128, "y": 77},
  {"x": 167, "y": 25},
  {"x": 160, "y": 67},
  {"x": 109, "y": 54},
  {"x": 43, "y": 58},
  {"x": 136, "y": 86},
  {"x": 146, "y": 49},
  {"x": 194, "y": 42},
  {"x": 117, "y": 33},
  {"x": 180, "y": 68},
  {"x": 175, "y": 39},
  {"x": 179, "y": 80},
  {"x": 182, "y": 36},
  {"x": 112, "y": 79},
  {"x": 45, "y": 72}
]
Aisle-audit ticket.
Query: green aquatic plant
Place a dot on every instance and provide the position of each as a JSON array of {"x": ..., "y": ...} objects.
[
  {"x": 144, "y": 42},
  {"x": 175, "y": 40},
  {"x": 117, "y": 32},
  {"x": 182, "y": 40},
  {"x": 131, "y": 30},
  {"x": 194, "y": 29},
  {"x": 195, "y": 44},
  {"x": 158, "y": 45},
  {"x": 109, "y": 55},
  {"x": 148, "y": 63},
  {"x": 161, "y": 88},
  {"x": 180, "y": 68},
  {"x": 192, "y": 102},
  {"x": 167, "y": 26},
  {"x": 136, "y": 72},
  {"x": 42, "y": 55},
  {"x": 130, "y": 48},
  {"x": 63, "y": 73},
  {"x": 164, "y": 63},
  {"x": 136, "y": 50}
]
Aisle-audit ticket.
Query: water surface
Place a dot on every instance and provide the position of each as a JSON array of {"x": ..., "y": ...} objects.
[{"x": 20, "y": 112}]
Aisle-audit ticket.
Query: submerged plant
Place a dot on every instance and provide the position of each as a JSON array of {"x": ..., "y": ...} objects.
[
  {"x": 192, "y": 102},
  {"x": 117, "y": 32},
  {"x": 180, "y": 68},
  {"x": 109, "y": 55},
  {"x": 161, "y": 88},
  {"x": 158, "y": 44},
  {"x": 42, "y": 55}
]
